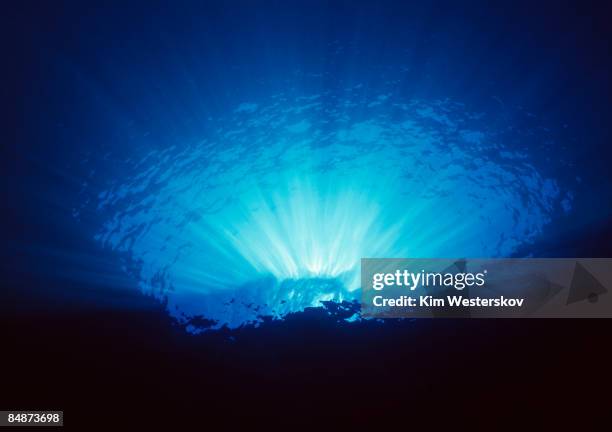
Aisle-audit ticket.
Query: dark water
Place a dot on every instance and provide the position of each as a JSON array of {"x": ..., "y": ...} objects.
[{"x": 174, "y": 168}]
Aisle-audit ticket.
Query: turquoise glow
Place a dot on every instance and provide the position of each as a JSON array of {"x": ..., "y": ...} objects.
[{"x": 272, "y": 211}]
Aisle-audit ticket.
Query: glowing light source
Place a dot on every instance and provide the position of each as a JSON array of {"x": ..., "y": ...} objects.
[{"x": 273, "y": 211}]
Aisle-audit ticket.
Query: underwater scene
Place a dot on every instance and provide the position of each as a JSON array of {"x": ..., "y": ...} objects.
[
  {"x": 272, "y": 210},
  {"x": 236, "y": 162},
  {"x": 221, "y": 211}
]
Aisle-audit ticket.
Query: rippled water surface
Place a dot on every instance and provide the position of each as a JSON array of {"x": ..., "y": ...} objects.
[{"x": 271, "y": 211}]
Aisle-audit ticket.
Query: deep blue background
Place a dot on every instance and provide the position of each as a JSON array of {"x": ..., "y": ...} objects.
[{"x": 73, "y": 73}]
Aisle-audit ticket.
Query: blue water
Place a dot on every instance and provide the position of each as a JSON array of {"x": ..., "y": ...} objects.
[
  {"x": 236, "y": 161},
  {"x": 270, "y": 211}
]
